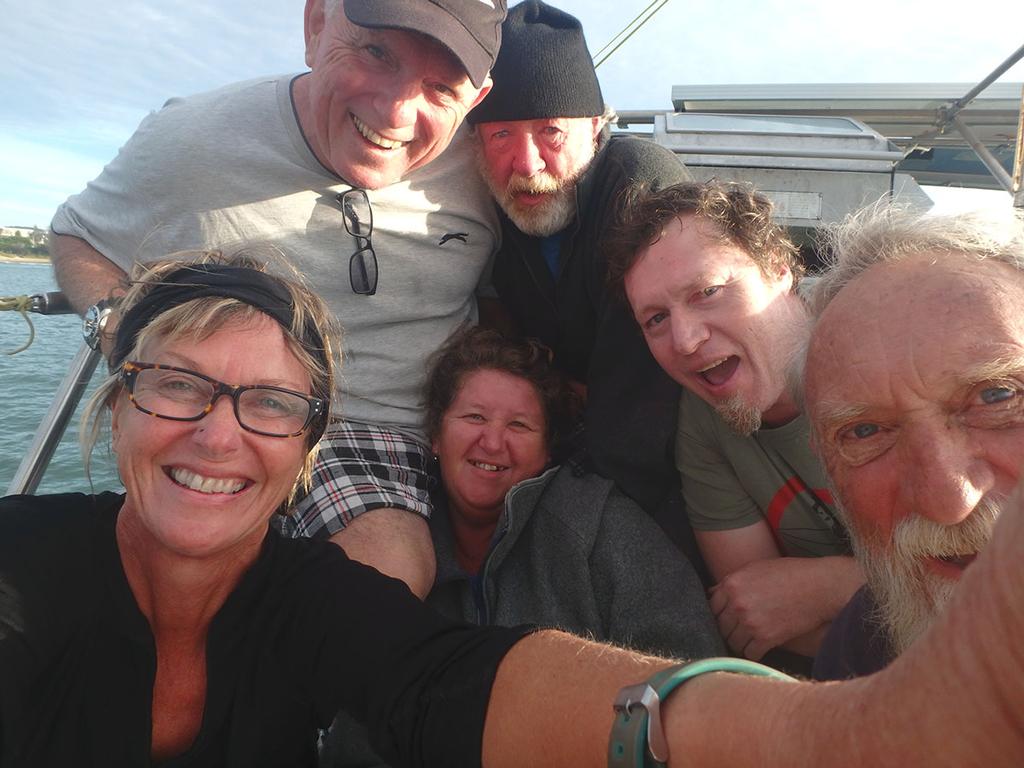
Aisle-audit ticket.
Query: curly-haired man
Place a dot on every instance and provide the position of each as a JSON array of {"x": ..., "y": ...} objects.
[{"x": 715, "y": 287}]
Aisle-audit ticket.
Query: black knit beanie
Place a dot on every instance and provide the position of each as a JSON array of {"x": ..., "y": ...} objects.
[{"x": 543, "y": 69}]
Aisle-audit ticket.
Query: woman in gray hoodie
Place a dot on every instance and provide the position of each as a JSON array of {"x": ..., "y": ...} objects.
[{"x": 521, "y": 541}]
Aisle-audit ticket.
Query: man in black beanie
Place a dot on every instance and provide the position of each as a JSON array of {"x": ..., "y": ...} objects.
[{"x": 556, "y": 172}]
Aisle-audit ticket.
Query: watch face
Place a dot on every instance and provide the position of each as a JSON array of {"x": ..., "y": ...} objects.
[{"x": 91, "y": 324}]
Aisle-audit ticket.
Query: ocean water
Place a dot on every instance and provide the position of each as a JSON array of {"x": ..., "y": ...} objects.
[{"x": 29, "y": 380}]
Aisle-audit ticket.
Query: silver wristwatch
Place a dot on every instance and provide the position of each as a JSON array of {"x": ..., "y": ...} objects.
[{"x": 95, "y": 320}]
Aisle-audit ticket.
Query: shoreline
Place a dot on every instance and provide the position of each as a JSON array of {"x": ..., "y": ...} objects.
[{"x": 6, "y": 258}]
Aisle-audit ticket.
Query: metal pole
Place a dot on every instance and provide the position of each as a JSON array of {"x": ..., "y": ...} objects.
[
  {"x": 51, "y": 428},
  {"x": 984, "y": 155},
  {"x": 968, "y": 97},
  {"x": 812, "y": 154},
  {"x": 946, "y": 115},
  {"x": 1018, "y": 182}
]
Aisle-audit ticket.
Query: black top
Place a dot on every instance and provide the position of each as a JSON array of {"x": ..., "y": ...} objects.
[
  {"x": 856, "y": 644},
  {"x": 631, "y": 402},
  {"x": 306, "y": 632}
]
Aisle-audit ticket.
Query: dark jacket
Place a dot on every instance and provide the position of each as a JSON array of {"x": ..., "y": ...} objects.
[
  {"x": 304, "y": 632},
  {"x": 632, "y": 404},
  {"x": 856, "y": 644}
]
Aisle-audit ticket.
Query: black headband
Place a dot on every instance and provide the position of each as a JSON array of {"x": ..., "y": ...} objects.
[{"x": 197, "y": 281}]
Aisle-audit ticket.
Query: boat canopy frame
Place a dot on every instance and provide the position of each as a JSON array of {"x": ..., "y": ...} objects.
[{"x": 921, "y": 120}]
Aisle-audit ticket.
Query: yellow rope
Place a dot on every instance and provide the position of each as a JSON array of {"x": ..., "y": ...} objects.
[{"x": 20, "y": 304}]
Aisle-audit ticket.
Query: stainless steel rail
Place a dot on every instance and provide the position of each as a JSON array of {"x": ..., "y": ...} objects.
[{"x": 51, "y": 429}]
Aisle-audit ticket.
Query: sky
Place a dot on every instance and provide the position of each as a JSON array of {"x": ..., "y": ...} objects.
[{"x": 79, "y": 75}]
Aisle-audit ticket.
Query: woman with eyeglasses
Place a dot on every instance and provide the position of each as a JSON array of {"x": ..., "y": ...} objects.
[{"x": 170, "y": 625}]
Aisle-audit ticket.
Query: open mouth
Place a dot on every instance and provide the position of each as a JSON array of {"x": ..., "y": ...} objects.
[
  {"x": 720, "y": 371},
  {"x": 530, "y": 198},
  {"x": 195, "y": 482},
  {"x": 957, "y": 561},
  {"x": 375, "y": 138},
  {"x": 487, "y": 467}
]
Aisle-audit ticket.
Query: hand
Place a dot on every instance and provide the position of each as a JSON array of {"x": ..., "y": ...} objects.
[{"x": 767, "y": 603}]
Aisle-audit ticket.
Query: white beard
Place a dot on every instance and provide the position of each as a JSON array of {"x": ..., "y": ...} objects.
[
  {"x": 544, "y": 218},
  {"x": 908, "y": 597}
]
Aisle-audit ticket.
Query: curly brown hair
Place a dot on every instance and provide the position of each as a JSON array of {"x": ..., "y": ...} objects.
[
  {"x": 742, "y": 217},
  {"x": 474, "y": 349}
]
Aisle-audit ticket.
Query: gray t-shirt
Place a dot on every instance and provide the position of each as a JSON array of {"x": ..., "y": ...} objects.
[
  {"x": 730, "y": 481},
  {"x": 231, "y": 166}
]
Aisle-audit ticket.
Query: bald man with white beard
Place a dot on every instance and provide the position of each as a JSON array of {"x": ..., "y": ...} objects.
[{"x": 915, "y": 393}]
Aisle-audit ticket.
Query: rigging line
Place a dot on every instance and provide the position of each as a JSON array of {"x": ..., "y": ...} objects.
[
  {"x": 635, "y": 29},
  {"x": 657, "y": 5},
  {"x": 622, "y": 31},
  {"x": 23, "y": 305}
]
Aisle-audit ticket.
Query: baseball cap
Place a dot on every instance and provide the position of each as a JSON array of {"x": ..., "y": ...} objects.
[{"x": 470, "y": 29}]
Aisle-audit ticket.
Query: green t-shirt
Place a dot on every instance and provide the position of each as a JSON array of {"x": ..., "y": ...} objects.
[{"x": 730, "y": 481}]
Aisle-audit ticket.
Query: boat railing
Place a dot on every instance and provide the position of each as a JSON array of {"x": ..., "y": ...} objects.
[{"x": 51, "y": 429}]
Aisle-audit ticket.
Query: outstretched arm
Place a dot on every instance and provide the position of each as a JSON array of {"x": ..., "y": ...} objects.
[{"x": 956, "y": 698}]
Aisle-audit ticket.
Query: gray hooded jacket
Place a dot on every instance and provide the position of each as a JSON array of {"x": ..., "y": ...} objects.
[{"x": 577, "y": 554}]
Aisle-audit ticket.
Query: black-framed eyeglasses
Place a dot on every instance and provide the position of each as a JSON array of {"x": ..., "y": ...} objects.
[
  {"x": 183, "y": 395},
  {"x": 362, "y": 267}
]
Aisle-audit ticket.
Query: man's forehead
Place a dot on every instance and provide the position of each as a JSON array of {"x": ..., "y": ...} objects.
[
  {"x": 703, "y": 243},
  {"x": 918, "y": 285},
  {"x": 930, "y": 311}
]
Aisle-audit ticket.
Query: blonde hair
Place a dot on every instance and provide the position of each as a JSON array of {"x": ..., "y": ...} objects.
[{"x": 200, "y": 318}]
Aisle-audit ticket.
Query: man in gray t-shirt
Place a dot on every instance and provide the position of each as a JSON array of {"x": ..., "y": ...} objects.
[{"x": 342, "y": 169}]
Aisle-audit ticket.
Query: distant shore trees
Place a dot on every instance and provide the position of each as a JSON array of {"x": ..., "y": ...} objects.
[{"x": 34, "y": 244}]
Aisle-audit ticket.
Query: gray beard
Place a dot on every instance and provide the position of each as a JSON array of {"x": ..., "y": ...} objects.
[
  {"x": 741, "y": 417},
  {"x": 546, "y": 218},
  {"x": 553, "y": 215},
  {"x": 907, "y": 597}
]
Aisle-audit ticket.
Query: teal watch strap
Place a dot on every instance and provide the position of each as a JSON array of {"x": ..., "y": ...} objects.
[{"x": 637, "y": 738}]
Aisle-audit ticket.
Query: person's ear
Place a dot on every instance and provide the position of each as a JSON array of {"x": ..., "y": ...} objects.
[
  {"x": 314, "y": 21},
  {"x": 488, "y": 84},
  {"x": 784, "y": 273}
]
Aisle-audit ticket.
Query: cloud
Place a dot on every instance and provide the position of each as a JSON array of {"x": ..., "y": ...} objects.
[
  {"x": 36, "y": 177},
  {"x": 79, "y": 74}
]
